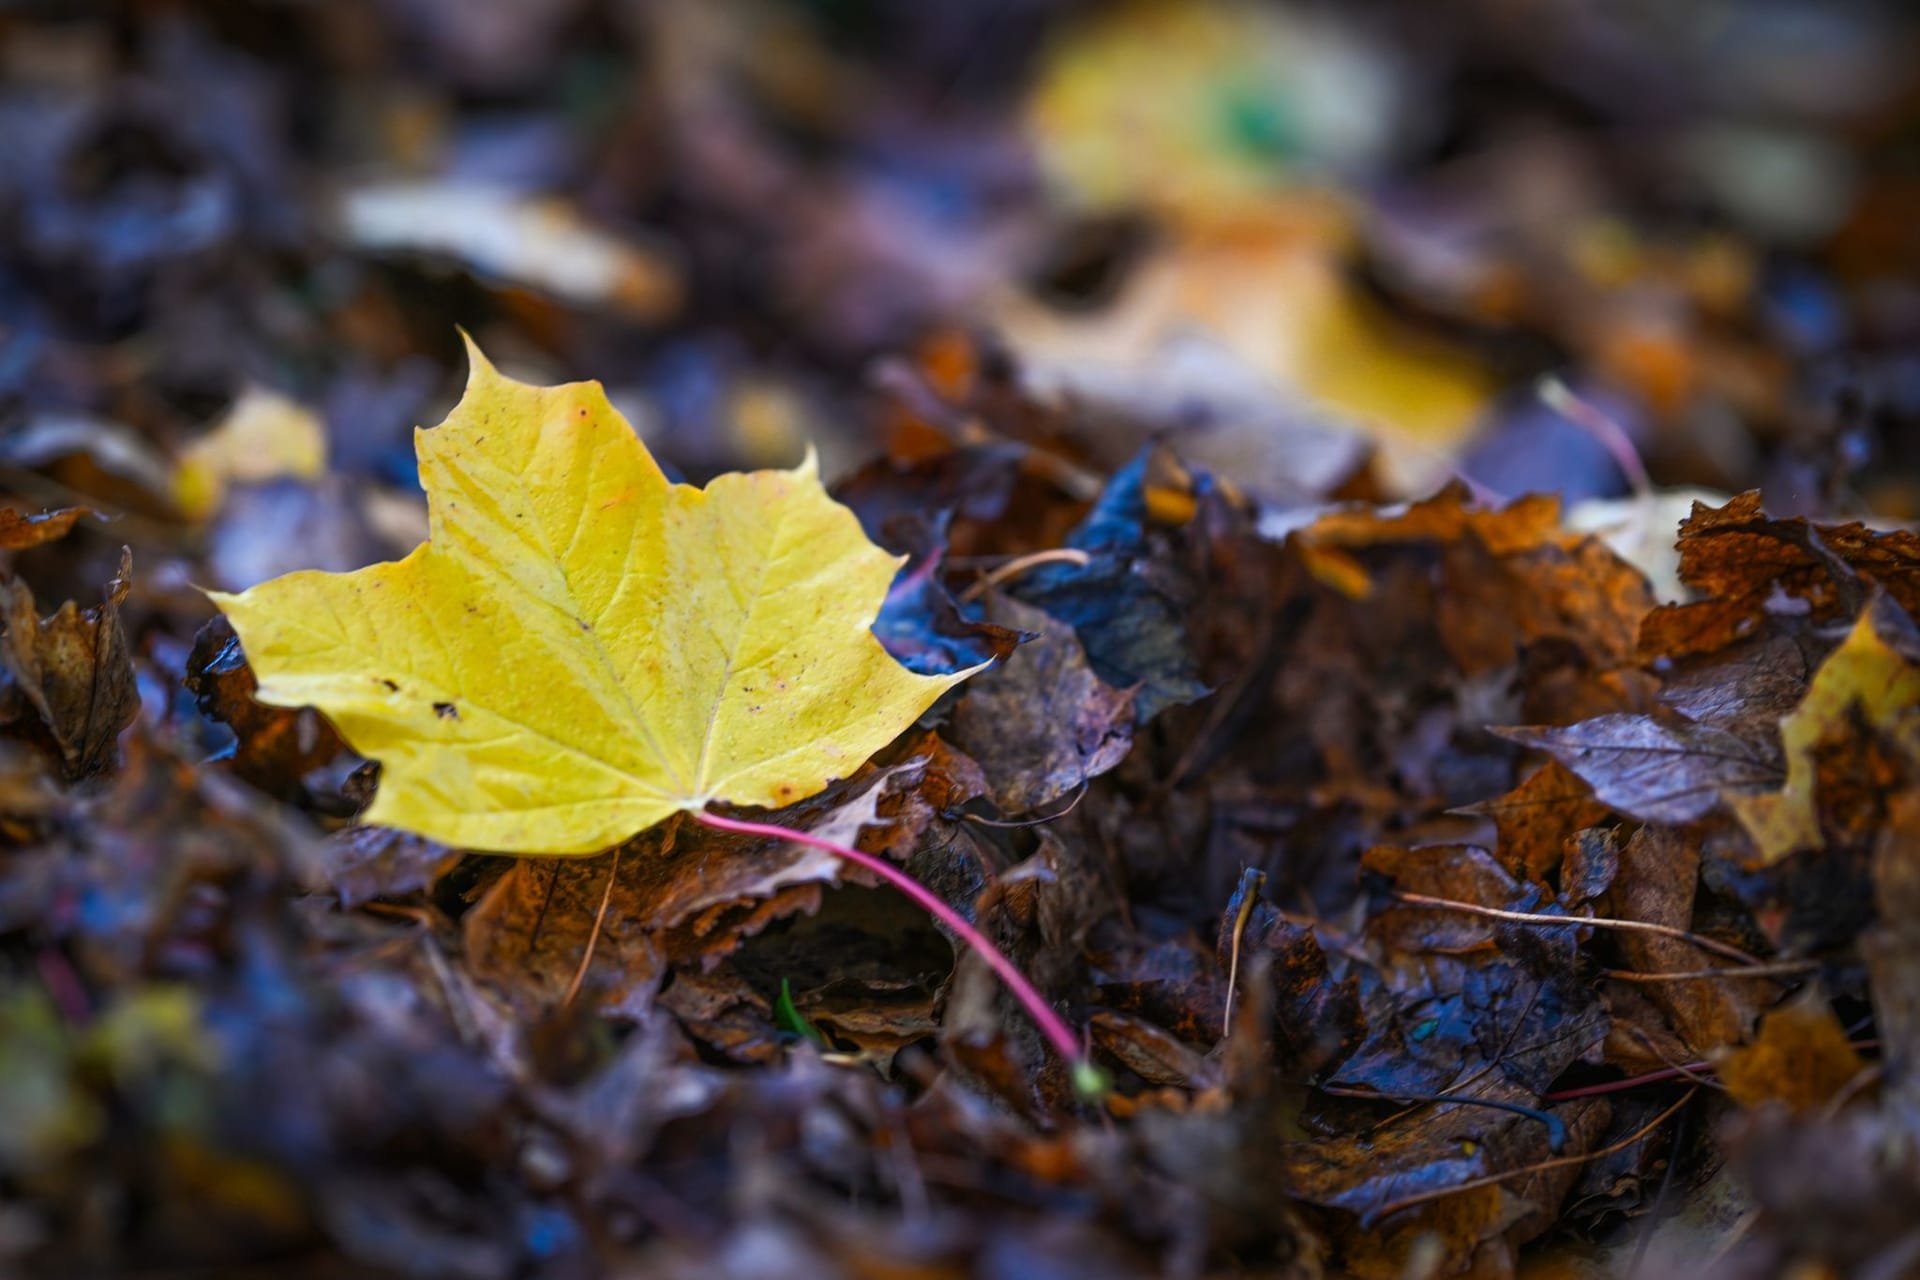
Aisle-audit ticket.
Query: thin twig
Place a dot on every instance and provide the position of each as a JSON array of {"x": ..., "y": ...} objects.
[
  {"x": 593, "y": 939},
  {"x": 1577, "y": 922},
  {"x": 1010, "y": 823},
  {"x": 1247, "y": 902},
  {"x": 1778, "y": 969},
  {"x": 1558, "y": 1162},
  {"x": 1019, "y": 565}
]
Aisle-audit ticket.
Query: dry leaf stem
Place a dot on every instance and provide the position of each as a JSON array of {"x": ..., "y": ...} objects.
[{"x": 1571, "y": 922}]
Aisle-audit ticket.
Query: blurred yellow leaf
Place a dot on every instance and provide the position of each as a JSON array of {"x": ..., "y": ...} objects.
[
  {"x": 582, "y": 648},
  {"x": 263, "y": 437},
  {"x": 1202, "y": 109},
  {"x": 1274, "y": 298}
]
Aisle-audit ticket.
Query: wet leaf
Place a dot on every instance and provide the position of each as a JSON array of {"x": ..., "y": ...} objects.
[{"x": 1121, "y": 603}]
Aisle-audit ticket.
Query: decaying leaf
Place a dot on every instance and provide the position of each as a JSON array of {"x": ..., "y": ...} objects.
[
  {"x": 20, "y": 530},
  {"x": 71, "y": 670},
  {"x": 1044, "y": 723},
  {"x": 1744, "y": 564},
  {"x": 1656, "y": 768},
  {"x": 582, "y": 648}
]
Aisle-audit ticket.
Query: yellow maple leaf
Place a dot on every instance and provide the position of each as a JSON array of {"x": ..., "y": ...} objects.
[{"x": 581, "y": 647}]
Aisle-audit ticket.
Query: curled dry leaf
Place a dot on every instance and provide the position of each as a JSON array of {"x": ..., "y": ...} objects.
[
  {"x": 275, "y": 748},
  {"x": 71, "y": 670},
  {"x": 1744, "y": 565},
  {"x": 1122, "y": 603}
]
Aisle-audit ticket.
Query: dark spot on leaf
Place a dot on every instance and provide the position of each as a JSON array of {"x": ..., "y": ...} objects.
[
  {"x": 446, "y": 711},
  {"x": 391, "y": 686}
]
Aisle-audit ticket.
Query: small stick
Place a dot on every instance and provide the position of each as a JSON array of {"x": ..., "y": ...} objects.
[
  {"x": 1240, "y": 919},
  {"x": 1684, "y": 1071},
  {"x": 1088, "y": 1079},
  {"x": 1574, "y": 922},
  {"x": 1014, "y": 823},
  {"x": 1780, "y": 969},
  {"x": 593, "y": 939},
  {"x": 1019, "y": 565}
]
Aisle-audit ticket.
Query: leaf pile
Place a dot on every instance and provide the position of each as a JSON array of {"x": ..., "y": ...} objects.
[{"x": 1463, "y": 859}]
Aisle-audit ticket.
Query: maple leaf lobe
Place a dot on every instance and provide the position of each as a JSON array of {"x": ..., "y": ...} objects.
[{"x": 581, "y": 647}]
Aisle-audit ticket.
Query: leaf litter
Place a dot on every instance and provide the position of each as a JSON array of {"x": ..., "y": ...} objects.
[{"x": 1458, "y": 853}]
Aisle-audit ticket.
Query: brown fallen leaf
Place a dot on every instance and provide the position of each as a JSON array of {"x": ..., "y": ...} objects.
[
  {"x": 1042, "y": 724},
  {"x": 1658, "y": 877},
  {"x": 1741, "y": 562},
  {"x": 72, "y": 670},
  {"x": 1663, "y": 768},
  {"x": 1513, "y": 576},
  {"x": 688, "y": 901},
  {"x": 19, "y": 530},
  {"x": 528, "y": 937},
  {"x": 275, "y": 748},
  {"x": 1801, "y": 1057},
  {"x": 1154, "y": 1054},
  {"x": 364, "y": 863},
  {"x": 1536, "y": 819}
]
